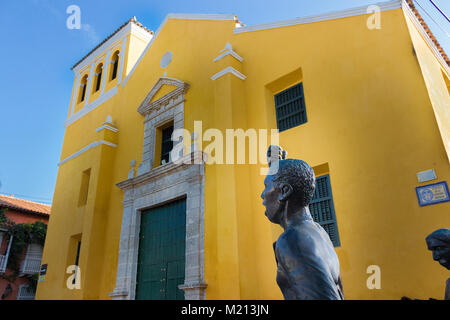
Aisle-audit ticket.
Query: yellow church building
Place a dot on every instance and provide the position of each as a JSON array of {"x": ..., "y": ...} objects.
[{"x": 362, "y": 95}]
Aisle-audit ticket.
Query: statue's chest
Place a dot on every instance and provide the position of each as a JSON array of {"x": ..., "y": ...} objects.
[{"x": 282, "y": 276}]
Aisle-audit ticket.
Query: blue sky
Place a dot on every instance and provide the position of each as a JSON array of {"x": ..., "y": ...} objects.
[{"x": 38, "y": 51}]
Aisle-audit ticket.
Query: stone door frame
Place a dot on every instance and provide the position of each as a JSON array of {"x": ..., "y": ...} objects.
[{"x": 153, "y": 187}]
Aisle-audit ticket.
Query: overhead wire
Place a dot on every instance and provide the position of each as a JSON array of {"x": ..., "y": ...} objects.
[
  {"x": 429, "y": 15},
  {"x": 439, "y": 9}
]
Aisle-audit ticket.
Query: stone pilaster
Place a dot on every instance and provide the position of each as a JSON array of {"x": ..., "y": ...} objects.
[{"x": 105, "y": 71}]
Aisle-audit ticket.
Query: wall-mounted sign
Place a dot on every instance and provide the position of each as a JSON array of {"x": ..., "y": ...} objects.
[
  {"x": 433, "y": 193},
  {"x": 43, "y": 272},
  {"x": 426, "y": 175}
]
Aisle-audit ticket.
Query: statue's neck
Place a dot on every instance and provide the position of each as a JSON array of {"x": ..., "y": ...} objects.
[{"x": 295, "y": 216}]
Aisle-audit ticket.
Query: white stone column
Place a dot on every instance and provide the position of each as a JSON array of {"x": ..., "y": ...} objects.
[
  {"x": 122, "y": 59},
  {"x": 89, "y": 83},
  {"x": 194, "y": 285},
  {"x": 148, "y": 155},
  {"x": 178, "y": 118},
  {"x": 75, "y": 94},
  {"x": 105, "y": 71},
  {"x": 123, "y": 280}
]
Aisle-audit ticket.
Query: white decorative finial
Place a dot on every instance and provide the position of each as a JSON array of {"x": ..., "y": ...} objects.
[
  {"x": 132, "y": 167},
  {"x": 228, "y": 47},
  {"x": 108, "y": 119}
]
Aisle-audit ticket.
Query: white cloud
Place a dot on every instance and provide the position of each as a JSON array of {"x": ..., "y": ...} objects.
[{"x": 91, "y": 33}]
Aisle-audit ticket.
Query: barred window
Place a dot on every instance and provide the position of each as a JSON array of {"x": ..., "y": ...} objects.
[
  {"x": 290, "y": 107},
  {"x": 322, "y": 208}
]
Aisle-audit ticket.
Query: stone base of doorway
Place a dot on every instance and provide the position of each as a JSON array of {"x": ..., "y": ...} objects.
[{"x": 194, "y": 291}]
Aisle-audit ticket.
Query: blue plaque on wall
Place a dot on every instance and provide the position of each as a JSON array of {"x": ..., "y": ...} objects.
[
  {"x": 43, "y": 272},
  {"x": 433, "y": 193}
]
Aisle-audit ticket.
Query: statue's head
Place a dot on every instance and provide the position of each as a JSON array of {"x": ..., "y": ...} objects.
[
  {"x": 439, "y": 243},
  {"x": 293, "y": 182}
]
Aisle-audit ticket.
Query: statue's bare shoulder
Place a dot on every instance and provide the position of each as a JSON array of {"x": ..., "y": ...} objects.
[{"x": 302, "y": 240}]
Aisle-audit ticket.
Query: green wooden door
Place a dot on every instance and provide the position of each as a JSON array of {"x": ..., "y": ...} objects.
[{"x": 162, "y": 243}]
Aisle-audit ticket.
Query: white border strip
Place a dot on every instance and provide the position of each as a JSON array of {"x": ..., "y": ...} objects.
[
  {"x": 90, "y": 146},
  {"x": 107, "y": 127},
  {"x": 200, "y": 16},
  {"x": 229, "y": 52},
  {"x": 94, "y": 104},
  {"x": 228, "y": 70},
  {"x": 390, "y": 5}
]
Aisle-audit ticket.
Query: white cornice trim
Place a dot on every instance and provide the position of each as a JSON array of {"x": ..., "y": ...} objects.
[
  {"x": 154, "y": 174},
  {"x": 229, "y": 52},
  {"x": 201, "y": 16},
  {"x": 94, "y": 104},
  {"x": 88, "y": 147},
  {"x": 141, "y": 33},
  {"x": 228, "y": 70},
  {"x": 136, "y": 36},
  {"x": 390, "y": 5},
  {"x": 100, "y": 50},
  {"x": 147, "y": 106},
  {"x": 407, "y": 10},
  {"x": 180, "y": 16},
  {"x": 107, "y": 127}
]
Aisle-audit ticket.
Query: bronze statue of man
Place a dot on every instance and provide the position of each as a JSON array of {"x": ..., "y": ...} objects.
[
  {"x": 439, "y": 243},
  {"x": 307, "y": 265}
]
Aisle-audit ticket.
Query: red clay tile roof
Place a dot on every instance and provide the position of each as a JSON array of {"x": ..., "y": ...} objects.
[
  {"x": 24, "y": 205},
  {"x": 428, "y": 31},
  {"x": 132, "y": 20}
]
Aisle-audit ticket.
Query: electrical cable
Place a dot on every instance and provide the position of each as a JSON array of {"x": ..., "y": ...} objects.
[
  {"x": 448, "y": 35},
  {"x": 445, "y": 16}
]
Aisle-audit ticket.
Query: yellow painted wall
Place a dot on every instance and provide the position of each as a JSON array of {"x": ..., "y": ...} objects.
[{"x": 370, "y": 120}]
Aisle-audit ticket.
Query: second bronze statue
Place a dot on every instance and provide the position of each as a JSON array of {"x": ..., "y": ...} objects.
[{"x": 307, "y": 265}]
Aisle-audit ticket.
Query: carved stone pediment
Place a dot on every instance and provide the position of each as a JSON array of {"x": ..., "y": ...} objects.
[{"x": 149, "y": 104}]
